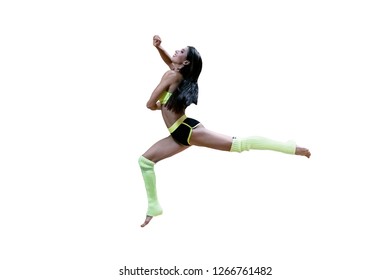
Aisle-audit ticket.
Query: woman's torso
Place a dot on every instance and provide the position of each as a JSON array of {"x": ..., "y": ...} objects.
[{"x": 170, "y": 116}]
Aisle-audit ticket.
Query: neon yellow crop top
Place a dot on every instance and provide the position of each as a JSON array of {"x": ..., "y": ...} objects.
[{"x": 165, "y": 97}]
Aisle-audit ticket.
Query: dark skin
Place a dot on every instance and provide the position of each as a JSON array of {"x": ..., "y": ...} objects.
[{"x": 201, "y": 136}]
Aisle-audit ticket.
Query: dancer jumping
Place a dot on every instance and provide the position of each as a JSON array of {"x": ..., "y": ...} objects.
[{"x": 177, "y": 90}]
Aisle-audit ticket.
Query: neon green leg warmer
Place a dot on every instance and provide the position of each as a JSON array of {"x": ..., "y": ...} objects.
[
  {"x": 147, "y": 169},
  {"x": 261, "y": 143}
]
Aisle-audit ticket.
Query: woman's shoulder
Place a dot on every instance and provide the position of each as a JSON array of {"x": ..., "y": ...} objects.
[{"x": 172, "y": 75}]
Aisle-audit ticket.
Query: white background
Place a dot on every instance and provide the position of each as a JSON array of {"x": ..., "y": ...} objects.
[{"x": 75, "y": 77}]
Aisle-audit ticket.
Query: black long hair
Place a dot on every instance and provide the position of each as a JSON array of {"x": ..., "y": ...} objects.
[{"x": 187, "y": 91}]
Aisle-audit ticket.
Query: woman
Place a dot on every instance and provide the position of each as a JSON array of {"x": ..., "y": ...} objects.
[{"x": 177, "y": 90}]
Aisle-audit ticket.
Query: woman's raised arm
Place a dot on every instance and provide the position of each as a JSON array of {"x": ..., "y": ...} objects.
[{"x": 163, "y": 53}]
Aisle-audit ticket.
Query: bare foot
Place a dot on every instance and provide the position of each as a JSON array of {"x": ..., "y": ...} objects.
[
  {"x": 147, "y": 220},
  {"x": 302, "y": 152}
]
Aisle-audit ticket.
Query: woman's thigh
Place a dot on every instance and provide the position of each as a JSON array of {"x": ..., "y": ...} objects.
[
  {"x": 204, "y": 137},
  {"x": 163, "y": 149}
]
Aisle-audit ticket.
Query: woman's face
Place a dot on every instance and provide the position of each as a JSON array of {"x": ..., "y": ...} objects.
[{"x": 180, "y": 56}]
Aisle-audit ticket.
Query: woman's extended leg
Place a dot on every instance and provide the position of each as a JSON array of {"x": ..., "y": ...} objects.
[
  {"x": 164, "y": 148},
  {"x": 206, "y": 138}
]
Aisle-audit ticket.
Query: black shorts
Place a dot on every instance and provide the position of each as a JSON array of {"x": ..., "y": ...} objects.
[{"x": 181, "y": 130}]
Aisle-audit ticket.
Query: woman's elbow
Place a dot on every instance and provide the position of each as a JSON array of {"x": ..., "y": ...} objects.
[{"x": 150, "y": 106}]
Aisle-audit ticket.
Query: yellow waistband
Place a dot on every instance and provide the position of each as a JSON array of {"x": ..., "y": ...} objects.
[{"x": 177, "y": 123}]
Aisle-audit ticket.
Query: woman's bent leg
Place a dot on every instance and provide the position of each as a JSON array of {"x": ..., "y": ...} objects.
[{"x": 164, "y": 148}]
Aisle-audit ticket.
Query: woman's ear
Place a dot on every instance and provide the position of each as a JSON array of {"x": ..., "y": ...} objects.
[{"x": 186, "y": 62}]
